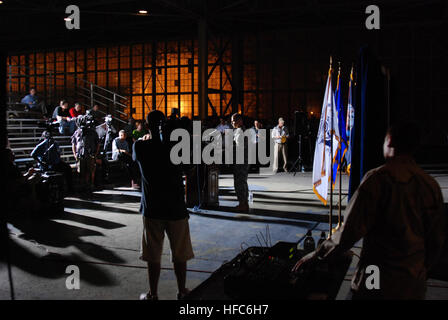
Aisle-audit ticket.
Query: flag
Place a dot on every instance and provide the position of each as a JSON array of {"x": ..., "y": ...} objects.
[
  {"x": 341, "y": 126},
  {"x": 327, "y": 139},
  {"x": 350, "y": 121},
  {"x": 371, "y": 118}
]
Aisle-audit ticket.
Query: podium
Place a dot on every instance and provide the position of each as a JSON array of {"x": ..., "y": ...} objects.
[{"x": 202, "y": 186}]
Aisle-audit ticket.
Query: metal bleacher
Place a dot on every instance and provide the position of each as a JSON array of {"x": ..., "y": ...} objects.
[{"x": 24, "y": 133}]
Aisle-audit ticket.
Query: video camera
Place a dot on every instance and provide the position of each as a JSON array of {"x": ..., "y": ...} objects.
[
  {"x": 108, "y": 120},
  {"x": 86, "y": 121},
  {"x": 49, "y": 126}
]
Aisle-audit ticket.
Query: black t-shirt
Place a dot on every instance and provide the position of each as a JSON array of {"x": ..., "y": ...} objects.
[
  {"x": 163, "y": 195},
  {"x": 62, "y": 113}
]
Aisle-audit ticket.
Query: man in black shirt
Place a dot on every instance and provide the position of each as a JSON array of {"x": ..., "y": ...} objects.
[{"x": 162, "y": 206}]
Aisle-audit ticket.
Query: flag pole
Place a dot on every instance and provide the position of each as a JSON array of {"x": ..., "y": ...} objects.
[
  {"x": 330, "y": 218},
  {"x": 340, "y": 159}
]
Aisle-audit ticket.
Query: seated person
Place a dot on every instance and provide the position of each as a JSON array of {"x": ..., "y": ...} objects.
[
  {"x": 96, "y": 113},
  {"x": 139, "y": 132},
  {"x": 129, "y": 128},
  {"x": 54, "y": 116},
  {"x": 33, "y": 104},
  {"x": 48, "y": 155},
  {"x": 67, "y": 124},
  {"x": 120, "y": 152},
  {"x": 76, "y": 111}
]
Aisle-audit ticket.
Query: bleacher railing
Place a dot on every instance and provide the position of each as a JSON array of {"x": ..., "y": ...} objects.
[{"x": 111, "y": 102}]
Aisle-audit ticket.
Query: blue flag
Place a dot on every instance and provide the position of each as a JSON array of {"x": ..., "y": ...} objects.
[
  {"x": 350, "y": 121},
  {"x": 342, "y": 149}
]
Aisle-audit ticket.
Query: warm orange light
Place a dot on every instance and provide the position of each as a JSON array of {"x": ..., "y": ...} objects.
[{"x": 143, "y": 12}]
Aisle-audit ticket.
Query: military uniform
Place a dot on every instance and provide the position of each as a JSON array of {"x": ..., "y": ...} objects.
[{"x": 398, "y": 211}]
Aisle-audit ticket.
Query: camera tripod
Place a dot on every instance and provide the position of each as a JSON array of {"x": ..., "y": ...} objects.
[{"x": 298, "y": 164}]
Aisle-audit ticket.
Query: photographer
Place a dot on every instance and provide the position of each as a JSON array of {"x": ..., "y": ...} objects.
[
  {"x": 48, "y": 155},
  {"x": 85, "y": 147}
]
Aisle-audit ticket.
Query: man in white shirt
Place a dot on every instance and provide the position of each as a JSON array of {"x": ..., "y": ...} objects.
[
  {"x": 240, "y": 171},
  {"x": 121, "y": 152},
  {"x": 222, "y": 126},
  {"x": 280, "y": 135}
]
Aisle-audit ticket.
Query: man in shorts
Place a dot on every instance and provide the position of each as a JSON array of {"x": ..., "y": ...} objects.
[{"x": 162, "y": 206}]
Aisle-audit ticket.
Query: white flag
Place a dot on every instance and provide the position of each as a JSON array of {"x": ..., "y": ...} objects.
[{"x": 323, "y": 158}]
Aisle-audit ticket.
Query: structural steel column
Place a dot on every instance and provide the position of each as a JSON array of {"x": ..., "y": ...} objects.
[
  {"x": 153, "y": 74},
  {"x": 237, "y": 73},
  {"x": 3, "y": 102},
  {"x": 202, "y": 69}
]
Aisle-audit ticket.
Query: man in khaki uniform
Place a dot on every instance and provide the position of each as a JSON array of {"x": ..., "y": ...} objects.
[
  {"x": 280, "y": 134},
  {"x": 398, "y": 211}
]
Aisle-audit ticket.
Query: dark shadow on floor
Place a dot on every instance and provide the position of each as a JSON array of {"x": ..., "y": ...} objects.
[
  {"x": 294, "y": 215},
  {"x": 50, "y": 233},
  {"x": 46, "y": 267},
  {"x": 247, "y": 218},
  {"x": 91, "y": 221},
  {"x": 116, "y": 198},
  {"x": 86, "y": 204}
]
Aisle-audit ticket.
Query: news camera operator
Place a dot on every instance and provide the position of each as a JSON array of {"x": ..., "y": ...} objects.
[
  {"x": 85, "y": 147},
  {"x": 48, "y": 155},
  {"x": 106, "y": 133}
]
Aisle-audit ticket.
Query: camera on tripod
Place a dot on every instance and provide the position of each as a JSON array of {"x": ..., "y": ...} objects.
[
  {"x": 86, "y": 121},
  {"x": 302, "y": 134}
]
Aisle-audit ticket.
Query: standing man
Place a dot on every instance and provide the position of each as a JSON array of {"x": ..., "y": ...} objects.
[
  {"x": 255, "y": 138},
  {"x": 33, "y": 104},
  {"x": 280, "y": 135},
  {"x": 85, "y": 147},
  {"x": 398, "y": 211},
  {"x": 240, "y": 170},
  {"x": 121, "y": 152},
  {"x": 162, "y": 206},
  {"x": 222, "y": 126}
]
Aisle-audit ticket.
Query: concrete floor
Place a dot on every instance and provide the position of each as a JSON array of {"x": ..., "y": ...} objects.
[{"x": 101, "y": 235}]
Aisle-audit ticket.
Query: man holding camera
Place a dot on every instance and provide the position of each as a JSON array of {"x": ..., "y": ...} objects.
[
  {"x": 48, "y": 155},
  {"x": 85, "y": 147}
]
